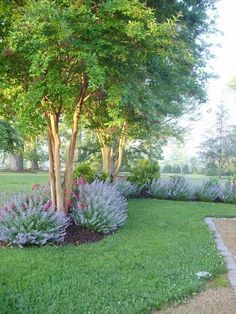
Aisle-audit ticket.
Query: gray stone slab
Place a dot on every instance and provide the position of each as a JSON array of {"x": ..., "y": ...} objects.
[{"x": 225, "y": 252}]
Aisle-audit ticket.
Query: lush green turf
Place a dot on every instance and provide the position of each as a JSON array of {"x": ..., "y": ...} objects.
[
  {"x": 150, "y": 261},
  {"x": 11, "y": 181},
  {"x": 195, "y": 178}
]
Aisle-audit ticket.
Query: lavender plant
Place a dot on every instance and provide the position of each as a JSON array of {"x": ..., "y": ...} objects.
[
  {"x": 28, "y": 220},
  {"x": 229, "y": 191},
  {"x": 179, "y": 189},
  {"x": 159, "y": 189},
  {"x": 127, "y": 189},
  {"x": 209, "y": 191},
  {"x": 100, "y": 207}
]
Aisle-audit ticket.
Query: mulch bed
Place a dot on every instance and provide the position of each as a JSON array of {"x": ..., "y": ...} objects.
[
  {"x": 79, "y": 235},
  {"x": 2, "y": 243}
]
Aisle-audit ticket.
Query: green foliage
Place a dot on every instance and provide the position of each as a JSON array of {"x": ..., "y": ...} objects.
[
  {"x": 154, "y": 228},
  {"x": 144, "y": 172},
  {"x": 84, "y": 171},
  {"x": 102, "y": 176},
  {"x": 176, "y": 169},
  {"x": 167, "y": 168},
  {"x": 9, "y": 139}
]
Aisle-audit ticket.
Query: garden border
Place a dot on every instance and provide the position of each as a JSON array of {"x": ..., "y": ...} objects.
[{"x": 224, "y": 251}]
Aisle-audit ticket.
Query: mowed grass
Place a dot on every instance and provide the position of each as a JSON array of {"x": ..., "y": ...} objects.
[
  {"x": 152, "y": 260},
  {"x": 195, "y": 178},
  {"x": 22, "y": 181}
]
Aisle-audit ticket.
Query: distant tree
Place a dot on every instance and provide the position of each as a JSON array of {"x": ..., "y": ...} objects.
[
  {"x": 176, "y": 169},
  {"x": 167, "y": 168},
  {"x": 9, "y": 139},
  {"x": 186, "y": 169},
  {"x": 216, "y": 149}
]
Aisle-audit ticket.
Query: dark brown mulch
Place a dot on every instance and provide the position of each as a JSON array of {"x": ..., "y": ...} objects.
[
  {"x": 79, "y": 235},
  {"x": 2, "y": 243}
]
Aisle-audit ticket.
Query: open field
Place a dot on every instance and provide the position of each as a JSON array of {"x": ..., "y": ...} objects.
[
  {"x": 20, "y": 181},
  {"x": 149, "y": 262},
  {"x": 195, "y": 178}
]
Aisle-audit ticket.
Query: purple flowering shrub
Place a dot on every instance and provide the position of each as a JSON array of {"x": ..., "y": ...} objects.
[
  {"x": 158, "y": 188},
  {"x": 31, "y": 220},
  {"x": 209, "y": 191},
  {"x": 127, "y": 189},
  {"x": 99, "y": 207},
  {"x": 176, "y": 188},
  {"x": 229, "y": 191},
  {"x": 179, "y": 189}
]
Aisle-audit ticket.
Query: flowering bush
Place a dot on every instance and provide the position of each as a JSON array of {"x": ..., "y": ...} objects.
[
  {"x": 100, "y": 207},
  {"x": 28, "y": 220},
  {"x": 179, "y": 189},
  {"x": 127, "y": 189},
  {"x": 209, "y": 191},
  {"x": 229, "y": 191},
  {"x": 159, "y": 189}
]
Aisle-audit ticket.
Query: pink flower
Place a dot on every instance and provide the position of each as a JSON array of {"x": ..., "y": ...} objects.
[{"x": 35, "y": 186}]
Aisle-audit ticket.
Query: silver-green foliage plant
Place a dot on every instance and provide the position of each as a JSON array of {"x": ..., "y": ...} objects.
[
  {"x": 100, "y": 207},
  {"x": 229, "y": 191},
  {"x": 179, "y": 189},
  {"x": 27, "y": 220},
  {"x": 159, "y": 188},
  {"x": 128, "y": 189},
  {"x": 209, "y": 191}
]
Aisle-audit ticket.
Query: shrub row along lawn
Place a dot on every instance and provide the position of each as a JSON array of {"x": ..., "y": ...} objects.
[{"x": 152, "y": 260}]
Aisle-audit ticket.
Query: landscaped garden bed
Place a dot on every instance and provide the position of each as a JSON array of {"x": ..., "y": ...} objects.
[{"x": 149, "y": 262}]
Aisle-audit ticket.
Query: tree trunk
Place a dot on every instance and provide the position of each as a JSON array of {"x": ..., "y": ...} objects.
[
  {"x": 68, "y": 176},
  {"x": 16, "y": 162},
  {"x": 121, "y": 148},
  {"x": 107, "y": 166},
  {"x": 34, "y": 165},
  {"x": 57, "y": 162},
  {"x": 51, "y": 167}
]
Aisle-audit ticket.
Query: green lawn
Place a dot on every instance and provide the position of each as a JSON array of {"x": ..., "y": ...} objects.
[
  {"x": 149, "y": 262},
  {"x": 11, "y": 181},
  {"x": 195, "y": 178}
]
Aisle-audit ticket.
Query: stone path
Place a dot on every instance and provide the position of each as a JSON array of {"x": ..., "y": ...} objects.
[
  {"x": 224, "y": 251},
  {"x": 221, "y": 300}
]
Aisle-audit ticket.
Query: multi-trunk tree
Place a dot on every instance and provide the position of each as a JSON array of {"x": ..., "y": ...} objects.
[{"x": 66, "y": 52}]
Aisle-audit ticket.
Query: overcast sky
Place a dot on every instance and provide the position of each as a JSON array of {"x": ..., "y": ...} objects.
[{"x": 224, "y": 65}]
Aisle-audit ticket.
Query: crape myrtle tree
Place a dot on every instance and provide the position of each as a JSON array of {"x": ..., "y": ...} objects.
[
  {"x": 70, "y": 50},
  {"x": 167, "y": 86}
]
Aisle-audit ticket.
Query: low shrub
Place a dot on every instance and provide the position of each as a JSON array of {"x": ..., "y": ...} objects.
[
  {"x": 159, "y": 188},
  {"x": 145, "y": 171},
  {"x": 127, "y": 189},
  {"x": 209, "y": 191},
  {"x": 229, "y": 191},
  {"x": 29, "y": 220},
  {"x": 100, "y": 207},
  {"x": 179, "y": 189},
  {"x": 102, "y": 176},
  {"x": 84, "y": 171}
]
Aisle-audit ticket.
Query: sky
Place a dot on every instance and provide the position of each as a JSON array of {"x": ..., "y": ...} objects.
[{"x": 224, "y": 65}]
